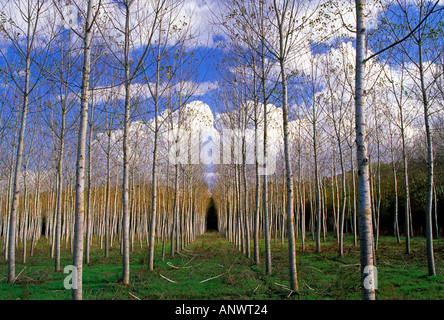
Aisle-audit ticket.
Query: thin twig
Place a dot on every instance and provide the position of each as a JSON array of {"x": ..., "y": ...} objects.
[
  {"x": 349, "y": 265},
  {"x": 19, "y": 274},
  {"x": 212, "y": 278},
  {"x": 286, "y": 288},
  {"x": 167, "y": 279},
  {"x": 232, "y": 264},
  {"x": 283, "y": 286},
  {"x": 185, "y": 265},
  {"x": 46, "y": 274},
  {"x": 180, "y": 253},
  {"x": 171, "y": 265},
  {"x": 406, "y": 37},
  {"x": 30, "y": 279},
  {"x": 137, "y": 298},
  {"x": 305, "y": 283},
  {"x": 316, "y": 269}
]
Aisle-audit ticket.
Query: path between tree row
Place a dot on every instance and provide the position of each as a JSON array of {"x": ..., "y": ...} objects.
[{"x": 213, "y": 268}]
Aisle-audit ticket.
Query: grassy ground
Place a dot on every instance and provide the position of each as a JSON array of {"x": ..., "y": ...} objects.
[{"x": 212, "y": 268}]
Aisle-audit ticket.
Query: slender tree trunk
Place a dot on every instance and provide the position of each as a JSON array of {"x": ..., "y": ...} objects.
[
  {"x": 435, "y": 198},
  {"x": 265, "y": 173},
  {"x": 89, "y": 207},
  {"x": 246, "y": 222},
  {"x": 429, "y": 229},
  {"x": 258, "y": 183},
  {"x": 154, "y": 169},
  {"x": 354, "y": 218},
  {"x": 18, "y": 165},
  {"x": 364, "y": 204},
  {"x": 176, "y": 199},
  {"x": 25, "y": 214},
  {"x": 288, "y": 171},
  {"x": 317, "y": 185},
  {"x": 406, "y": 186},
  {"x": 344, "y": 201},
  {"x": 37, "y": 230},
  {"x": 395, "y": 186},
  {"x": 125, "y": 185},
  {"x": 81, "y": 154},
  {"x": 378, "y": 192},
  {"x": 333, "y": 198},
  {"x": 58, "y": 211},
  {"x": 301, "y": 188},
  {"x": 108, "y": 190}
]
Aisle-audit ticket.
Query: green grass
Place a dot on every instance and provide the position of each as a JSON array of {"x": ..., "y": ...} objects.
[{"x": 230, "y": 275}]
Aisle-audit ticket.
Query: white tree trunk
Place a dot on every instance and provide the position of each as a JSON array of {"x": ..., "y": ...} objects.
[
  {"x": 125, "y": 187},
  {"x": 364, "y": 201},
  {"x": 281, "y": 16},
  {"x": 81, "y": 154},
  {"x": 18, "y": 164},
  {"x": 429, "y": 204}
]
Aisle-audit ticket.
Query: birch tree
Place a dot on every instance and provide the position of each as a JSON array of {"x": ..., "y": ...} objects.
[
  {"x": 288, "y": 26},
  {"x": 22, "y": 23},
  {"x": 364, "y": 202},
  {"x": 130, "y": 70},
  {"x": 91, "y": 13}
]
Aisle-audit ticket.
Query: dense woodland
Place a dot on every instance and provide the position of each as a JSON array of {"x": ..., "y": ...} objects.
[{"x": 341, "y": 102}]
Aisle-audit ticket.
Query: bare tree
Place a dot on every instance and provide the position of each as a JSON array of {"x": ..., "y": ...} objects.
[
  {"x": 288, "y": 27},
  {"x": 92, "y": 10},
  {"x": 14, "y": 30},
  {"x": 364, "y": 203}
]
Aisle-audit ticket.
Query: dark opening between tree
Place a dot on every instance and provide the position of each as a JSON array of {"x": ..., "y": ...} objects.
[{"x": 212, "y": 216}]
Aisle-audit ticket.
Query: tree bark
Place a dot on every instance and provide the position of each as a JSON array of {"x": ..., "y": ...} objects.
[
  {"x": 81, "y": 154},
  {"x": 288, "y": 171},
  {"x": 18, "y": 163},
  {"x": 364, "y": 201},
  {"x": 429, "y": 204}
]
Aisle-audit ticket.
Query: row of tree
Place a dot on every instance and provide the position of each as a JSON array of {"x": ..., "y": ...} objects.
[
  {"x": 82, "y": 72},
  {"x": 344, "y": 117},
  {"x": 97, "y": 126}
]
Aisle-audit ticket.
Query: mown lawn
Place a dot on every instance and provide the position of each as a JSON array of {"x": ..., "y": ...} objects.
[{"x": 211, "y": 268}]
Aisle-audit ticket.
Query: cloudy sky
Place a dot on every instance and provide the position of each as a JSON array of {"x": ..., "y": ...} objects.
[
  {"x": 206, "y": 48},
  {"x": 198, "y": 84}
]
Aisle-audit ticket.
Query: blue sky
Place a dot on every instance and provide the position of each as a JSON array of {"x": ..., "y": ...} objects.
[{"x": 208, "y": 55}]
